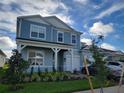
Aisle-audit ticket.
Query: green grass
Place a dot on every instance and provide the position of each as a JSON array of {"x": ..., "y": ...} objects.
[{"x": 51, "y": 87}]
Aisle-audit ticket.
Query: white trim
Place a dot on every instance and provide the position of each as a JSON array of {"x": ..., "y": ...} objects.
[
  {"x": 41, "y": 66},
  {"x": 43, "y": 44},
  {"x": 36, "y": 51},
  {"x": 75, "y": 39},
  {"x": 72, "y": 55},
  {"x": 56, "y": 49},
  {"x": 62, "y": 36},
  {"x": 20, "y": 47},
  {"x": 38, "y": 32},
  {"x": 20, "y": 24}
]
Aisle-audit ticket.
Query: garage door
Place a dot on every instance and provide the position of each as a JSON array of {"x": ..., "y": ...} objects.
[
  {"x": 76, "y": 62},
  {"x": 67, "y": 63}
]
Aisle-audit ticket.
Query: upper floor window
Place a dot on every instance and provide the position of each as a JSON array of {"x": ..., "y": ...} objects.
[
  {"x": 37, "y": 31},
  {"x": 60, "y": 36},
  {"x": 73, "y": 38}
]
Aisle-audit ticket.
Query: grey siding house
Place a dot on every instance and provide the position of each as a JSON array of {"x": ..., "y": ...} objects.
[
  {"x": 47, "y": 43},
  {"x": 2, "y": 58}
]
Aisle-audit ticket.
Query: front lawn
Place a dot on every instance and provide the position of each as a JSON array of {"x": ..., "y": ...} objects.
[{"x": 52, "y": 87}]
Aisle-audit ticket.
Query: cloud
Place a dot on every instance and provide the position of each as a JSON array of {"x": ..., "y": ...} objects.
[
  {"x": 11, "y": 27},
  {"x": 100, "y": 28},
  {"x": 10, "y": 9},
  {"x": 65, "y": 19},
  {"x": 7, "y": 43},
  {"x": 85, "y": 26},
  {"x": 84, "y": 2},
  {"x": 87, "y": 41},
  {"x": 109, "y": 11},
  {"x": 107, "y": 46}
]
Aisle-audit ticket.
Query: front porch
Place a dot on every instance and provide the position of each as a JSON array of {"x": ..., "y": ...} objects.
[{"x": 48, "y": 56}]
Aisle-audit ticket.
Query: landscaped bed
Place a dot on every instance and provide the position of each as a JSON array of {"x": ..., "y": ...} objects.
[{"x": 52, "y": 87}]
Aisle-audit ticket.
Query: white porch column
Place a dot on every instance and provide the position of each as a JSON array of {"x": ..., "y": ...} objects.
[
  {"x": 56, "y": 50},
  {"x": 72, "y": 58},
  {"x": 19, "y": 48}
]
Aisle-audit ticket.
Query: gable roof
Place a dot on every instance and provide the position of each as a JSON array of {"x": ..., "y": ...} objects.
[
  {"x": 59, "y": 23},
  {"x": 2, "y": 53},
  {"x": 52, "y": 20}
]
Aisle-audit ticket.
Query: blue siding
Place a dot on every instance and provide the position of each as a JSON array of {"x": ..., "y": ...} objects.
[
  {"x": 25, "y": 29},
  {"x": 67, "y": 37},
  {"x": 54, "y": 35},
  {"x": 78, "y": 41}
]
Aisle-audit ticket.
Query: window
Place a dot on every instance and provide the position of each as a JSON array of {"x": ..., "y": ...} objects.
[
  {"x": 60, "y": 37},
  {"x": 36, "y": 58},
  {"x": 38, "y": 31},
  {"x": 73, "y": 39}
]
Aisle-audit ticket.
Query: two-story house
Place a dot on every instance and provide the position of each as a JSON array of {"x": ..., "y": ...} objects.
[{"x": 47, "y": 43}]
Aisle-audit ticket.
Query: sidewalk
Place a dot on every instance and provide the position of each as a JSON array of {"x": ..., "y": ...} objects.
[{"x": 106, "y": 90}]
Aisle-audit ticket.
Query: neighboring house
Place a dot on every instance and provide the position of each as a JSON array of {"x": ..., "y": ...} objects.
[
  {"x": 112, "y": 55},
  {"x": 87, "y": 53},
  {"x": 2, "y": 58},
  {"x": 108, "y": 55},
  {"x": 47, "y": 43}
]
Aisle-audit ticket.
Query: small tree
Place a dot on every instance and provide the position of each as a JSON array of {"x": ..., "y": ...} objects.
[
  {"x": 16, "y": 68},
  {"x": 102, "y": 71}
]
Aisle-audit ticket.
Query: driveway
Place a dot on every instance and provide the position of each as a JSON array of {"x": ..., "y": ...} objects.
[{"x": 106, "y": 90}]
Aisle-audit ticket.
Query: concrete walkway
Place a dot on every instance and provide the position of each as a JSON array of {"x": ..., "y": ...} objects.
[{"x": 106, "y": 90}]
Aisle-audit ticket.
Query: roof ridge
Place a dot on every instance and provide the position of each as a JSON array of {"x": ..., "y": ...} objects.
[{"x": 2, "y": 52}]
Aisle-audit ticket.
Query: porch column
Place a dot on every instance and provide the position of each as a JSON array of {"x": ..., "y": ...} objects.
[
  {"x": 72, "y": 58},
  {"x": 56, "y": 50}
]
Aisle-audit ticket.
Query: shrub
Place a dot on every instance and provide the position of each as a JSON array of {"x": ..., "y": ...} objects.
[
  {"x": 52, "y": 76},
  {"x": 2, "y": 72},
  {"x": 15, "y": 70},
  {"x": 35, "y": 77}
]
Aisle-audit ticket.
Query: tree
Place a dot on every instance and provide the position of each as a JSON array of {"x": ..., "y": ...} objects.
[
  {"x": 102, "y": 71},
  {"x": 15, "y": 71}
]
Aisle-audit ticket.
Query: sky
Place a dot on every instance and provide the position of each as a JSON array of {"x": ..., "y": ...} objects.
[{"x": 92, "y": 17}]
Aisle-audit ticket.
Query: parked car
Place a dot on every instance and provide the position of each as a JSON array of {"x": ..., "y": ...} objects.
[
  {"x": 91, "y": 68},
  {"x": 115, "y": 68}
]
